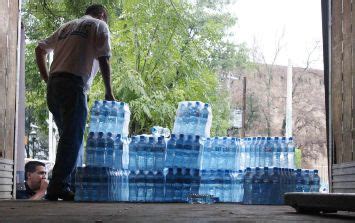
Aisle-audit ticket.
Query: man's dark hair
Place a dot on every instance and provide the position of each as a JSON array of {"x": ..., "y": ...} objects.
[
  {"x": 31, "y": 166},
  {"x": 95, "y": 10}
]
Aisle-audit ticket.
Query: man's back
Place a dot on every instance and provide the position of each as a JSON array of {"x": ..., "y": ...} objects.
[{"x": 77, "y": 44}]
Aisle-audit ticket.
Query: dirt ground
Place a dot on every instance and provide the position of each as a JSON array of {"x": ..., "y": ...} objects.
[{"x": 53, "y": 212}]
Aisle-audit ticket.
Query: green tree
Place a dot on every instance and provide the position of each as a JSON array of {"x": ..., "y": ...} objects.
[{"x": 163, "y": 52}]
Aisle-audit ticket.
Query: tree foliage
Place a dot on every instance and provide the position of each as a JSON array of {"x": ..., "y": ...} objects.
[{"x": 164, "y": 51}]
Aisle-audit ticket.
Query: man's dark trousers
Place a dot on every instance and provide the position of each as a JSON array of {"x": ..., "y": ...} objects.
[{"x": 66, "y": 100}]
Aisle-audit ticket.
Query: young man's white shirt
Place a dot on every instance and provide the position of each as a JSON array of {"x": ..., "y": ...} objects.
[{"x": 77, "y": 45}]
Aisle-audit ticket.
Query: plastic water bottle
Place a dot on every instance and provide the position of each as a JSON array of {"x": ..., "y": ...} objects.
[
  {"x": 90, "y": 149},
  {"x": 291, "y": 153},
  {"x": 256, "y": 187},
  {"x": 141, "y": 187},
  {"x": 150, "y": 150},
  {"x": 196, "y": 151},
  {"x": 315, "y": 182},
  {"x": 306, "y": 181},
  {"x": 299, "y": 181},
  {"x": 132, "y": 186},
  {"x": 170, "y": 152},
  {"x": 159, "y": 154},
  {"x": 262, "y": 152},
  {"x": 179, "y": 152},
  {"x": 169, "y": 185},
  {"x": 159, "y": 186},
  {"x": 186, "y": 183},
  {"x": 268, "y": 152},
  {"x": 104, "y": 110},
  {"x": 257, "y": 150},
  {"x": 253, "y": 152},
  {"x": 133, "y": 154},
  {"x": 237, "y": 155},
  {"x": 149, "y": 195},
  {"x": 112, "y": 117},
  {"x": 242, "y": 154},
  {"x": 227, "y": 186},
  {"x": 94, "y": 117},
  {"x": 177, "y": 185},
  {"x": 275, "y": 186},
  {"x": 195, "y": 116},
  {"x": 247, "y": 151},
  {"x": 125, "y": 185},
  {"x": 141, "y": 153},
  {"x": 118, "y": 152},
  {"x": 100, "y": 154},
  {"x": 276, "y": 153},
  {"x": 109, "y": 150},
  {"x": 248, "y": 180},
  {"x": 187, "y": 152},
  {"x": 265, "y": 187},
  {"x": 203, "y": 120},
  {"x": 240, "y": 186},
  {"x": 196, "y": 181},
  {"x": 284, "y": 153},
  {"x": 206, "y": 159}
]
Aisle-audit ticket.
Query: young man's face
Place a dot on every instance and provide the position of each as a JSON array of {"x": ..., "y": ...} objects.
[{"x": 34, "y": 179}]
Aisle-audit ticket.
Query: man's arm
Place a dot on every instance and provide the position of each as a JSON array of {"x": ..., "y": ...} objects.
[
  {"x": 105, "y": 68},
  {"x": 41, "y": 63}
]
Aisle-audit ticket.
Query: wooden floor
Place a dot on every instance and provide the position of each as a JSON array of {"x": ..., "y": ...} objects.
[{"x": 52, "y": 212}]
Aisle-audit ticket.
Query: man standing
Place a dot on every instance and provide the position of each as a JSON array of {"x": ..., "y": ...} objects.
[
  {"x": 79, "y": 48},
  {"x": 36, "y": 181}
]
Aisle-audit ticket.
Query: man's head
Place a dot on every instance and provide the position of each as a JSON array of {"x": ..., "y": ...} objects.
[
  {"x": 35, "y": 171},
  {"x": 97, "y": 11}
]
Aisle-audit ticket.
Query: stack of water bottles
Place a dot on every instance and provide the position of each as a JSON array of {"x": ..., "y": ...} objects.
[
  {"x": 268, "y": 186},
  {"x": 94, "y": 183},
  {"x": 110, "y": 116},
  {"x": 146, "y": 166},
  {"x": 103, "y": 178},
  {"x": 193, "y": 118},
  {"x": 184, "y": 152}
]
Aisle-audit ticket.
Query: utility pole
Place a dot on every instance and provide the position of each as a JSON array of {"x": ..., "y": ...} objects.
[
  {"x": 289, "y": 101},
  {"x": 244, "y": 106}
]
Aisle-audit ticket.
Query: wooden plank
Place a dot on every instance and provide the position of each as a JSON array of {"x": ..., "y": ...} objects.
[
  {"x": 3, "y": 69},
  {"x": 6, "y": 167},
  {"x": 337, "y": 79},
  {"x": 347, "y": 83},
  {"x": 5, "y": 188},
  {"x": 12, "y": 79},
  {"x": 345, "y": 171},
  {"x": 344, "y": 178},
  {"x": 353, "y": 74},
  {"x": 343, "y": 190},
  {"x": 344, "y": 165},
  {"x": 6, "y": 174},
  {"x": 5, "y": 195},
  {"x": 6, "y": 181},
  {"x": 6, "y": 161},
  {"x": 344, "y": 185}
]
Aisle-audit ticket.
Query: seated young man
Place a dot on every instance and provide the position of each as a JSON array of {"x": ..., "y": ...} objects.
[{"x": 35, "y": 181}]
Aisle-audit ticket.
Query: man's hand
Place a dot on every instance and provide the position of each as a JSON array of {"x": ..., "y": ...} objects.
[
  {"x": 44, "y": 185},
  {"x": 41, "y": 192}
]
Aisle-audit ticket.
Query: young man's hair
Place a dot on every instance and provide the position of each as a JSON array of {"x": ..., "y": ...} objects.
[
  {"x": 95, "y": 10},
  {"x": 31, "y": 166}
]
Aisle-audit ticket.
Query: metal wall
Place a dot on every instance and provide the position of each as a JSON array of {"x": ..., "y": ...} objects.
[
  {"x": 9, "y": 16},
  {"x": 342, "y": 76}
]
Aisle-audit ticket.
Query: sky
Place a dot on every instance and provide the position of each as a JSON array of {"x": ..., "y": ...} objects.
[{"x": 264, "y": 21}]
